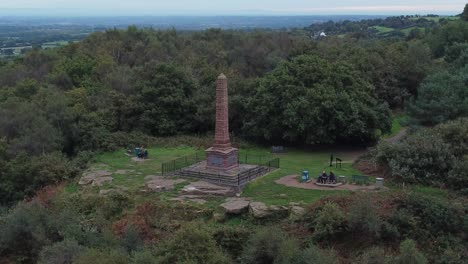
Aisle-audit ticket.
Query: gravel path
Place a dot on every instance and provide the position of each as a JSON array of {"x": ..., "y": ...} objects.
[{"x": 292, "y": 181}]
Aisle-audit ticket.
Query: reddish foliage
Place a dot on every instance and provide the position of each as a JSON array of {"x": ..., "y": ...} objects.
[
  {"x": 370, "y": 168},
  {"x": 45, "y": 195}
]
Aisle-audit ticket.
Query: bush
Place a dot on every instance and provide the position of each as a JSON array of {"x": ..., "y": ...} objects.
[
  {"x": 270, "y": 245},
  {"x": 329, "y": 223},
  {"x": 409, "y": 254},
  {"x": 363, "y": 218},
  {"x": 191, "y": 244},
  {"x": 143, "y": 257},
  {"x": 25, "y": 230},
  {"x": 373, "y": 255},
  {"x": 434, "y": 215},
  {"x": 64, "y": 252},
  {"x": 313, "y": 255},
  {"x": 420, "y": 158},
  {"x": 103, "y": 257},
  {"x": 458, "y": 177},
  {"x": 232, "y": 239}
]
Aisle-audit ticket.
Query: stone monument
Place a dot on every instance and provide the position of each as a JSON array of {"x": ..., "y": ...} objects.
[{"x": 222, "y": 156}]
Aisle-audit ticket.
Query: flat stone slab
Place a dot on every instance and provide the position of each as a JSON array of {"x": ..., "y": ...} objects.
[
  {"x": 94, "y": 177},
  {"x": 205, "y": 188},
  {"x": 259, "y": 209},
  {"x": 101, "y": 180},
  {"x": 158, "y": 184},
  {"x": 235, "y": 205}
]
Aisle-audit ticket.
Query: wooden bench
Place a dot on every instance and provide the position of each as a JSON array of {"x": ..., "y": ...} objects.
[{"x": 360, "y": 179}]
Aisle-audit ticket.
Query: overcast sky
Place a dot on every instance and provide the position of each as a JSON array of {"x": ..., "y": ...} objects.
[{"x": 210, "y": 7}]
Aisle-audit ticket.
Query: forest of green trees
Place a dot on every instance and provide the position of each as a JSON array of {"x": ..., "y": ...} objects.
[{"x": 59, "y": 107}]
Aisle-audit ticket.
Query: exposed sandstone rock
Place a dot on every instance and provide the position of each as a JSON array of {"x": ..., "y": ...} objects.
[
  {"x": 259, "y": 210},
  {"x": 235, "y": 205},
  {"x": 205, "y": 188},
  {"x": 157, "y": 184},
  {"x": 94, "y": 177}
]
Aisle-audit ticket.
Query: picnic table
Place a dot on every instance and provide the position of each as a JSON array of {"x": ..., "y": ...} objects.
[{"x": 360, "y": 179}]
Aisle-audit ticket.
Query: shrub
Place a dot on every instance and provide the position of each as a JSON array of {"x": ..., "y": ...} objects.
[
  {"x": 329, "y": 223},
  {"x": 434, "y": 215},
  {"x": 64, "y": 252},
  {"x": 373, "y": 255},
  {"x": 313, "y": 255},
  {"x": 143, "y": 257},
  {"x": 363, "y": 218},
  {"x": 232, "y": 239},
  {"x": 270, "y": 245},
  {"x": 421, "y": 158},
  {"x": 409, "y": 254},
  {"x": 102, "y": 257},
  {"x": 25, "y": 230},
  {"x": 191, "y": 244},
  {"x": 131, "y": 239}
]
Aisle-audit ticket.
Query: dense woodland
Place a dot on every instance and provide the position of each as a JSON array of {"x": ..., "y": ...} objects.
[{"x": 58, "y": 107}]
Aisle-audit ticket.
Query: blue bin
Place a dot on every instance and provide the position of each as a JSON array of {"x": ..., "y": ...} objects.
[
  {"x": 305, "y": 176},
  {"x": 137, "y": 151}
]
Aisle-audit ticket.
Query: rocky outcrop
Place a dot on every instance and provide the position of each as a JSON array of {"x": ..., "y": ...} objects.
[
  {"x": 95, "y": 178},
  {"x": 296, "y": 211},
  {"x": 159, "y": 184},
  {"x": 235, "y": 206},
  {"x": 259, "y": 210},
  {"x": 209, "y": 189}
]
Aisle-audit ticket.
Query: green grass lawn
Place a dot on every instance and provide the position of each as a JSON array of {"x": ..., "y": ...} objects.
[
  {"x": 134, "y": 177},
  {"x": 266, "y": 190},
  {"x": 382, "y": 29},
  {"x": 263, "y": 189}
]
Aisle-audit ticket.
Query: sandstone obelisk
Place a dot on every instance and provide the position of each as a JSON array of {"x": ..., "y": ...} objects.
[{"x": 222, "y": 156}]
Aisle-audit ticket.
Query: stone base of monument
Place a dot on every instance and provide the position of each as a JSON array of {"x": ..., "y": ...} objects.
[{"x": 237, "y": 177}]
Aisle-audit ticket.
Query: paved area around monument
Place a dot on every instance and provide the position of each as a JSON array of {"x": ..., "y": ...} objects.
[
  {"x": 292, "y": 181},
  {"x": 201, "y": 168}
]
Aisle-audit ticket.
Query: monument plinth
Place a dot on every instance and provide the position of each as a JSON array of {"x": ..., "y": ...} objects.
[{"x": 222, "y": 156}]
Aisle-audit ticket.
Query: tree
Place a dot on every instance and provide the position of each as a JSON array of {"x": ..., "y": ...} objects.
[
  {"x": 313, "y": 101},
  {"x": 442, "y": 96},
  {"x": 464, "y": 15}
]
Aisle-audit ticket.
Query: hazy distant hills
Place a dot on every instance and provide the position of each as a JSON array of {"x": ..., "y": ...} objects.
[{"x": 182, "y": 22}]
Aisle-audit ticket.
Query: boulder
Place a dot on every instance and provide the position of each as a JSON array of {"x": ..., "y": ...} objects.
[
  {"x": 91, "y": 176},
  {"x": 157, "y": 184},
  {"x": 259, "y": 209},
  {"x": 296, "y": 211},
  {"x": 235, "y": 205},
  {"x": 205, "y": 188},
  {"x": 101, "y": 180}
]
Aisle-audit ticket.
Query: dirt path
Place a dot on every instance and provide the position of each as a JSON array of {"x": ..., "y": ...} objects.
[
  {"x": 292, "y": 181},
  {"x": 397, "y": 137}
]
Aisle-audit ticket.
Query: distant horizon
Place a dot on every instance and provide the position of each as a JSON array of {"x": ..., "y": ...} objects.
[{"x": 113, "y": 12}]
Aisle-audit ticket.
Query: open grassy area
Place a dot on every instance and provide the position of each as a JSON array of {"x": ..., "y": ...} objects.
[
  {"x": 266, "y": 190},
  {"x": 131, "y": 174},
  {"x": 382, "y": 29}
]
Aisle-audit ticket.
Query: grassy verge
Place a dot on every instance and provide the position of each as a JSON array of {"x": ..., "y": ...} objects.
[{"x": 131, "y": 175}]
